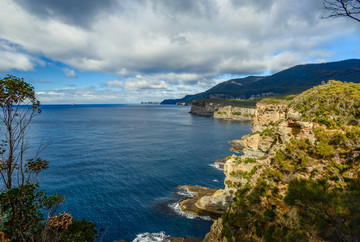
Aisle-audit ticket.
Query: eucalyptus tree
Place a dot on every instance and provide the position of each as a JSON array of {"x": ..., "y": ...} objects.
[
  {"x": 18, "y": 108},
  {"x": 22, "y": 204}
]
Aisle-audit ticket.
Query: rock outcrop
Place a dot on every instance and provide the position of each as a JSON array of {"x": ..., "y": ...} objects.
[
  {"x": 272, "y": 124},
  {"x": 203, "y": 108},
  {"x": 195, "y": 193},
  {"x": 253, "y": 145},
  {"x": 216, "y": 203},
  {"x": 219, "y": 111},
  {"x": 234, "y": 113},
  {"x": 215, "y": 232},
  {"x": 269, "y": 113}
]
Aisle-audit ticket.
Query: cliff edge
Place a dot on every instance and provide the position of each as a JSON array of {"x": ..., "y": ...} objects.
[
  {"x": 299, "y": 177},
  {"x": 229, "y": 110}
]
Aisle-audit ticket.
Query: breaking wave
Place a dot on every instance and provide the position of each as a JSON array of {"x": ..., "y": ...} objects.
[
  {"x": 215, "y": 166},
  {"x": 177, "y": 209},
  {"x": 152, "y": 237}
]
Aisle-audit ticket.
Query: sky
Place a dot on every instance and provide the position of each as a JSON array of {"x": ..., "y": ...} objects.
[{"x": 128, "y": 51}]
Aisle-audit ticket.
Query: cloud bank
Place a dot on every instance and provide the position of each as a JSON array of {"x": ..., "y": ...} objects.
[{"x": 161, "y": 44}]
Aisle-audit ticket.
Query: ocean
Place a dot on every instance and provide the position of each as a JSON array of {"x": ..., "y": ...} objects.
[{"x": 119, "y": 165}]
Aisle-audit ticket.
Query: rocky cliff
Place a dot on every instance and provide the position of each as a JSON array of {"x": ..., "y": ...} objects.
[
  {"x": 203, "y": 108},
  {"x": 234, "y": 113},
  {"x": 268, "y": 118},
  {"x": 221, "y": 111},
  {"x": 273, "y": 122},
  {"x": 298, "y": 177}
]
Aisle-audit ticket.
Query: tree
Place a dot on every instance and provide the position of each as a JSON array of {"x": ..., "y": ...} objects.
[
  {"x": 18, "y": 107},
  {"x": 22, "y": 204},
  {"x": 329, "y": 214},
  {"x": 343, "y": 8}
]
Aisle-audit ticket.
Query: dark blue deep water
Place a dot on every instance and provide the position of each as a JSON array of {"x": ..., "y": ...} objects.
[{"x": 119, "y": 165}]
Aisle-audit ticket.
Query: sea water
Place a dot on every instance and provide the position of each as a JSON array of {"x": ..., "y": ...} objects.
[{"x": 119, "y": 165}]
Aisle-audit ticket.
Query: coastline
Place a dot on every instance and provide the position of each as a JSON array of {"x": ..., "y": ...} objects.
[
  {"x": 253, "y": 147},
  {"x": 297, "y": 147},
  {"x": 204, "y": 202}
]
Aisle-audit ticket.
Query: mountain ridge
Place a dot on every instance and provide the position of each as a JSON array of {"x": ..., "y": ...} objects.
[{"x": 293, "y": 80}]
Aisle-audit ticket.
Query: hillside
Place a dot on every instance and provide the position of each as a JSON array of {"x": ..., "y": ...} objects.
[
  {"x": 298, "y": 178},
  {"x": 290, "y": 81}
]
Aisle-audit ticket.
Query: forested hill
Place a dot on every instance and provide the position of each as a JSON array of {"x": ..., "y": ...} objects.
[{"x": 290, "y": 81}]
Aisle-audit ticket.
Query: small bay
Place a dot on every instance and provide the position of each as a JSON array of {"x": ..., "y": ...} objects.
[{"x": 119, "y": 165}]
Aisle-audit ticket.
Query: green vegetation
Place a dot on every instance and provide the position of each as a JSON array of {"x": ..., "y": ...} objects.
[
  {"x": 310, "y": 189},
  {"x": 26, "y": 213},
  {"x": 80, "y": 230},
  {"x": 278, "y": 99},
  {"x": 244, "y": 174},
  {"x": 333, "y": 214},
  {"x": 240, "y": 160},
  {"x": 228, "y": 102},
  {"x": 334, "y": 104}
]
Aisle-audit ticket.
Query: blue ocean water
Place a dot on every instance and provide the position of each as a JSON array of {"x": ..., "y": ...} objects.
[{"x": 119, "y": 165}]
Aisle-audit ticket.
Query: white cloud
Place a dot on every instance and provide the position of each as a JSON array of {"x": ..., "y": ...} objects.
[
  {"x": 11, "y": 60},
  {"x": 49, "y": 38},
  {"x": 93, "y": 95},
  {"x": 139, "y": 83},
  {"x": 166, "y": 36},
  {"x": 69, "y": 73},
  {"x": 168, "y": 45}
]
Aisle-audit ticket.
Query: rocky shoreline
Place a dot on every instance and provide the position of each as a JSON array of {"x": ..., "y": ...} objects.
[
  {"x": 190, "y": 203},
  {"x": 308, "y": 144},
  {"x": 253, "y": 147},
  {"x": 273, "y": 123}
]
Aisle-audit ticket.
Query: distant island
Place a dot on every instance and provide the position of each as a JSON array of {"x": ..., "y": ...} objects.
[{"x": 151, "y": 103}]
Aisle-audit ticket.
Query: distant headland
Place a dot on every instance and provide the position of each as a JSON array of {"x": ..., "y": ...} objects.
[
  {"x": 150, "y": 103},
  {"x": 293, "y": 80}
]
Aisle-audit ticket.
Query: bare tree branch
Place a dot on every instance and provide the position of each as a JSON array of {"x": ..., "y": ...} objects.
[{"x": 343, "y": 8}]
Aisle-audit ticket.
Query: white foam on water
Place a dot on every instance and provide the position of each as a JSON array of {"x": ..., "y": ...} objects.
[
  {"x": 185, "y": 193},
  {"x": 234, "y": 151},
  {"x": 177, "y": 209},
  {"x": 152, "y": 237},
  {"x": 215, "y": 166}
]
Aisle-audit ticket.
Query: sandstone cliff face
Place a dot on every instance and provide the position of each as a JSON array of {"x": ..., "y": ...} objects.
[
  {"x": 268, "y": 114},
  {"x": 289, "y": 161},
  {"x": 218, "y": 202},
  {"x": 215, "y": 232},
  {"x": 273, "y": 124},
  {"x": 253, "y": 145},
  {"x": 217, "y": 111},
  {"x": 234, "y": 113}
]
